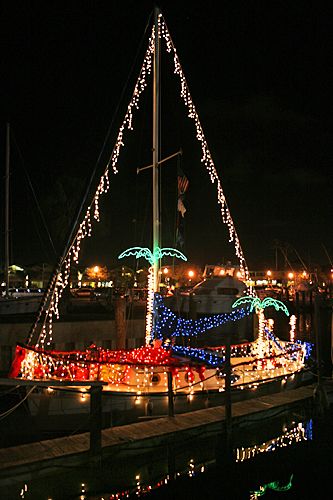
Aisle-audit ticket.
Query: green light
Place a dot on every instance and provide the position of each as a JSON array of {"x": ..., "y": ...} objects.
[
  {"x": 274, "y": 485},
  {"x": 258, "y": 304},
  {"x": 150, "y": 256}
]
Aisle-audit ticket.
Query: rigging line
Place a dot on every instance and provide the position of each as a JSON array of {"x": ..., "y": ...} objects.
[
  {"x": 9, "y": 391},
  {"x": 34, "y": 194},
  {"x": 301, "y": 261},
  {"x": 284, "y": 253},
  {"x": 207, "y": 155},
  {"x": 72, "y": 236},
  {"x": 327, "y": 254},
  {"x": 8, "y": 412}
]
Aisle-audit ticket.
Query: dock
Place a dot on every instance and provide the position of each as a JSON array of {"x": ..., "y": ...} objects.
[{"x": 75, "y": 449}]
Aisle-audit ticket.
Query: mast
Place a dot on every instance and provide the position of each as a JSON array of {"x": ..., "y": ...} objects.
[
  {"x": 156, "y": 83},
  {"x": 6, "y": 267}
]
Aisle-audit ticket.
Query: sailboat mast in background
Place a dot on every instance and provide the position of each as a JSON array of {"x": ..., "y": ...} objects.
[{"x": 6, "y": 267}]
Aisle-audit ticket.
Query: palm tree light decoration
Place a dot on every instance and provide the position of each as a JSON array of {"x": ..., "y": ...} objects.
[
  {"x": 153, "y": 258},
  {"x": 259, "y": 306}
]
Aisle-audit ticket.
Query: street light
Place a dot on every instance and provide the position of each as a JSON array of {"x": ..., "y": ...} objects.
[
  {"x": 96, "y": 272},
  {"x": 269, "y": 277}
]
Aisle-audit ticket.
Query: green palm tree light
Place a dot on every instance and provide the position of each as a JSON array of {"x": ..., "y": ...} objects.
[
  {"x": 259, "y": 305},
  {"x": 150, "y": 256}
]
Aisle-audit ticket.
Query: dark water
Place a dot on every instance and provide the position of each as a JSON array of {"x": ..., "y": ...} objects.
[{"x": 291, "y": 454}]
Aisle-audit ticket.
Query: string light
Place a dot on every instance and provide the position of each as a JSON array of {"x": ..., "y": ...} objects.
[
  {"x": 292, "y": 323},
  {"x": 92, "y": 212},
  {"x": 117, "y": 367},
  {"x": 289, "y": 437},
  {"x": 168, "y": 325},
  {"x": 150, "y": 256},
  {"x": 150, "y": 306},
  {"x": 257, "y": 304}
]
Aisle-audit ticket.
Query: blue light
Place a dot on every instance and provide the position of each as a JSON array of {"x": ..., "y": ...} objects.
[
  {"x": 205, "y": 355},
  {"x": 168, "y": 325},
  {"x": 308, "y": 347}
]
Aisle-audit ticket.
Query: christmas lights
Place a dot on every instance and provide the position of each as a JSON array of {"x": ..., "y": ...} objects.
[
  {"x": 168, "y": 325},
  {"x": 257, "y": 304},
  {"x": 134, "y": 370},
  {"x": 274, "y": 485},
  {"x": 92, "y": 212},
  {"x": 292, "y": 323},
  {"x": 150, "y": 256}
]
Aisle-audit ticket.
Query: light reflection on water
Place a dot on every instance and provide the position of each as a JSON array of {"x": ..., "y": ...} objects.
[{"x": 151, "y": 471}]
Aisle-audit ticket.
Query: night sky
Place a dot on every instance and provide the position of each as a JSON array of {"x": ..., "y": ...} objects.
[{"x": 258, "y": 76}]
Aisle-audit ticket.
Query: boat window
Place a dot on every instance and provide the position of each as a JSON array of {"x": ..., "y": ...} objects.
[{"x": 227, "y": 291}]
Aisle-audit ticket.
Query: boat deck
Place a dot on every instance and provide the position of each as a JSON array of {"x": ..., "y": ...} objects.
[{"x": 74, "y": 449}]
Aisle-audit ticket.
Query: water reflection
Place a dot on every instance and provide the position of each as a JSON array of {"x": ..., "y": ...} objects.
[
  {"x": 300, "y": 432},
  {"x": 154, "y": 470},
  {"x": 275, "y": 486},
  {"x": 304, "y": 327}
]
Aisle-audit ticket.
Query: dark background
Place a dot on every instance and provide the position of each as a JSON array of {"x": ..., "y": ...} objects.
[{"x": 258, "y": 73}]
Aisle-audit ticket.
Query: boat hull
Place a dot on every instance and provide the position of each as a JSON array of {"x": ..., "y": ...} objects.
[{"x": 68, "y": 410}]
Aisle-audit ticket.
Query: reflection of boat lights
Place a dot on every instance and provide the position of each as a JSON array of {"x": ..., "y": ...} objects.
[
  {"x": 298, "y": 433},
  {"x": 137, "y": 400},
  {"x": 294, "y": 435},
  {"x": 50, "y": 390},
  {"x": 24, "y": 490},
  {"x": 83, "y": 490}
]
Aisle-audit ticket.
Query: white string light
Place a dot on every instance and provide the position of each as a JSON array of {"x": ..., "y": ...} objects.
[{"x": 85, "y": 227}]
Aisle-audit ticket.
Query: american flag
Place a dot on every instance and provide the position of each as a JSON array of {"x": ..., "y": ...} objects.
[{"x": 182, "y": 183}]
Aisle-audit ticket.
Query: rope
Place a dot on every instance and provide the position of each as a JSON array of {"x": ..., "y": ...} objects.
[
  {"x": 8, "y": 412},
  {"x": 9, "y": 391}
]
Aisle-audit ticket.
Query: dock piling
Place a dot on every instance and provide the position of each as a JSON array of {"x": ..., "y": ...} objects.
[
  {"x": 95, "y": 420},
  {"x": 171, "y": 407}
]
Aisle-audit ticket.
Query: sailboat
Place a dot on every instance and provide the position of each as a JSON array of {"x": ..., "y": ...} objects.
[
  {"x": 166, "y": 362},
  {"x": 13, "y": 302}
]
